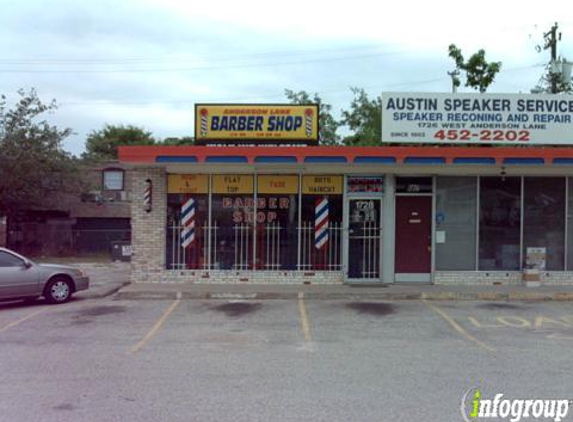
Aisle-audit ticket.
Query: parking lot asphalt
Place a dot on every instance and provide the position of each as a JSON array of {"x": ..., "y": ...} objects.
[{"x": 112, "y": 359}]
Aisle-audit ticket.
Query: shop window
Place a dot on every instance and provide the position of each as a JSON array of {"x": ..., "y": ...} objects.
[
  {"x": 113, "y": 179},
  {"x": 544, "y": 220},
  {"x": 500, "y": 223},
  {"x": 232, "y": 222},
  {"x": 455, "y": 236},
  {"x": 277, "y": 221},
  {"x": 187, "y": 222},
  {"x": 321, "y": 223}
]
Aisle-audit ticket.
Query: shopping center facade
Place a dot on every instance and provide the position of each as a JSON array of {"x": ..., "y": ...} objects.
[{"x": 312, "y": 214}]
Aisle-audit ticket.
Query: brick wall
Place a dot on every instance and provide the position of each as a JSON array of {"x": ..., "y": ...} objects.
[
  {"x": 148, "y": 228},
  {"x": 503, "y": 277},
  {"x": 253, "y": 277}
]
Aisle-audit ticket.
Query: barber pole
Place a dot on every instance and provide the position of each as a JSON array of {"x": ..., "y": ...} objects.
[
  {"x": 204, "y": 115},
  {"x": 188, "y": 222},
  {"x": 321, "y": 224},
  {"x": 308, "y": 121},
  {"x": 147, "y": 195}
]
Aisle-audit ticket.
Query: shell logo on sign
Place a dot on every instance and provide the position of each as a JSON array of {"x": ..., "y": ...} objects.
[{"x": 256, "y": 123}]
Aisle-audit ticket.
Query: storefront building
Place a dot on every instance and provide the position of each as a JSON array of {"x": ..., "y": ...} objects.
[
  {"x": 388, "y": 214},
  {"x": 310, "y": 214}
]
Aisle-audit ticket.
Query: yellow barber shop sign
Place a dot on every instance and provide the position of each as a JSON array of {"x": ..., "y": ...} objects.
[
  {"x": 187, "y": 183},
  {"x": 277, "y": 184},
  {"x": 257, "y": 123},
  {"x": 322, "y": 185},
  {"x": 233, "y": 184}
]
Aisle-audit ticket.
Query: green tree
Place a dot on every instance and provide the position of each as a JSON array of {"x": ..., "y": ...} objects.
[
  {"x": 326, "y": 122},
  {"x": 102, "y": 144},
  {"x": 555, "y": 79},
  {"x": 34, "y": 168},
  {"x": 364, "y": 119},
  {"x": 175, "y": 141},
  {"x": 480, "y": 73}
]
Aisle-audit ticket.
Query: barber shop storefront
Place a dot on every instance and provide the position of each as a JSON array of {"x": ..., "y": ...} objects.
[{"x": 445, "y": 213}]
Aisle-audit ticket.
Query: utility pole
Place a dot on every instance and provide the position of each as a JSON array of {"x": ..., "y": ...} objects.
[
  {"x": 455, "y": 81},
  {"x": 551, "y": 43}
]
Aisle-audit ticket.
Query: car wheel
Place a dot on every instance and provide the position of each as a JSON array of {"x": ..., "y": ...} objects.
[{"x": 58, "y": 290}]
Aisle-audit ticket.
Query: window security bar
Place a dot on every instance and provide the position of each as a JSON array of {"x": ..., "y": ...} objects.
[
  {"x": 243, "y": 235},
  {"x": 370, "y": 249},
  {"x": 232, "y": 248},
  {"x": 272, "y": 240},
  {"x": 191, "y": 257},
  {"x": 325, "y": 259}
]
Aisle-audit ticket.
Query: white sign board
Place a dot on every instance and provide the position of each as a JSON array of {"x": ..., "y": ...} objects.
[
  {"x": 536, "y": 258},
  {"x": 518, "y": 119}
]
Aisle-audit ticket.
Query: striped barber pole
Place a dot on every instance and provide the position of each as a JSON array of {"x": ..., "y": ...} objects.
[
  {"x": 321, "y": 223},
  {"x": 204, "y": 120},
  {"x": 188, "y": 222},
  {"x": 308, "y": 120},
  {"x": 147, "y": 195}
]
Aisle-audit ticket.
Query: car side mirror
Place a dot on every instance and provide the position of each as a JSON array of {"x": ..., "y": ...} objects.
[{"x": 27, "y": 264}]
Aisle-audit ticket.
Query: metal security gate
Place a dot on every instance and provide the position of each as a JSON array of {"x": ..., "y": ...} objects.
[
  {"x": 325, "y": 258},
  {"x": 363, "y": 240},
  {"x": 192, "y": 256},
  {"x": 231, "y": 248}
]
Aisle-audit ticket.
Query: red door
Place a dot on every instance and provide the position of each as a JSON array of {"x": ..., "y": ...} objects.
[{"x": 413, "y": 234}]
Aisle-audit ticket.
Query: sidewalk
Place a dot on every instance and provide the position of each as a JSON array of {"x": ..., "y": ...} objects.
[
  {"x": 152, "y": 291},
  {"x": 105, "y": 278},
  {"x": 108, "y": 278}
]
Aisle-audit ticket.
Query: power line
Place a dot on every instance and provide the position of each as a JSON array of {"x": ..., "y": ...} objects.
[
  {"x": 238, "y": 99},
  {"x": 177, "y": 57},
  {"x": 191, "y": 69},
  {"x": 320, "y": 92}
]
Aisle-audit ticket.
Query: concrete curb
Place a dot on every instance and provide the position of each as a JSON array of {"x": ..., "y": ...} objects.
[
  {"x": 433, "y": 296},
  {"x": 103, "y": 291}
]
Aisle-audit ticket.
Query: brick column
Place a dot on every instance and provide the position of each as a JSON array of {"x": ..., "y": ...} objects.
[{"x": 148, "y": 228}]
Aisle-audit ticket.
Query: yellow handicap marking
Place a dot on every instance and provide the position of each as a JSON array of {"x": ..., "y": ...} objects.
[
  {"x": 514, "y": 321},
  {"x": 541, "y": 320},
  {"x": 559, "y": 336},
  {"x": 538, "y": 322}
]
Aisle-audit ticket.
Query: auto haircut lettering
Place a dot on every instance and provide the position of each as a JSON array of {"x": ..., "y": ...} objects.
[{"x": 256, "y": 123}]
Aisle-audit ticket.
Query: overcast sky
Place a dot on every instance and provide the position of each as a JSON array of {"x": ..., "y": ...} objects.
[{"x": 147, "y": 62}]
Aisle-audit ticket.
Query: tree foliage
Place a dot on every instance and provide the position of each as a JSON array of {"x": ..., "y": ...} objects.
[
  {"x": 102, "y": 144},
  {"x": 364, "y": 119},
  {"x": 554, "y": 81},
  {"x": 480, "y": 73},
  {"x": 327, "y": 124},
  {"x": 33, "y": 165},
  {"x": 177, "y": 141}
]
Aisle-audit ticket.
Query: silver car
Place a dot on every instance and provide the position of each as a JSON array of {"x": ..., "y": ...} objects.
[{"x": 22, "y": 278}]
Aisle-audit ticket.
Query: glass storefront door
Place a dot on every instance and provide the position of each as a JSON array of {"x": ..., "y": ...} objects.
[{"x": 363, "y": 240}]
